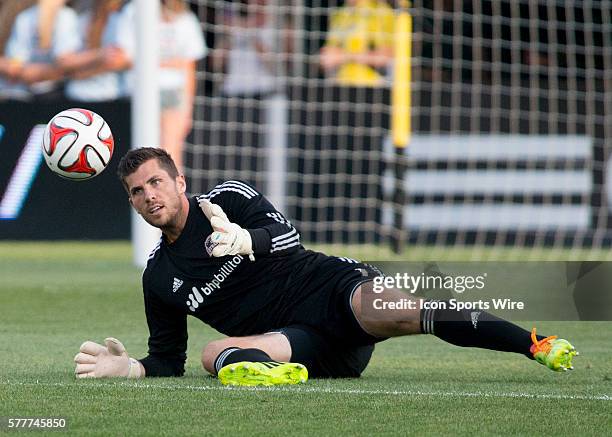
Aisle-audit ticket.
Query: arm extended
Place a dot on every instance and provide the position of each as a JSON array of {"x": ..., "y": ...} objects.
[{"x": 246, "y": 223}]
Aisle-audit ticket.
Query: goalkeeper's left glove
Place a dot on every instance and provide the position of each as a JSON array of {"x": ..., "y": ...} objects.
[
  {"x": 112, "y": 360},
  {"x": 227, "y": 238}
]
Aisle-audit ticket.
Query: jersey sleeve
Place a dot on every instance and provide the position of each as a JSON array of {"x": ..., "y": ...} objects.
[
  {"x": 167, "y": 338},
  {"x": 196, "y": 47},
  {"x": 271, "y": 232}
]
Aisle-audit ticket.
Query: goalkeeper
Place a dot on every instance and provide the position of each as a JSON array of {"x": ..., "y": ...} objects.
[{"x": 231, "y": 260}]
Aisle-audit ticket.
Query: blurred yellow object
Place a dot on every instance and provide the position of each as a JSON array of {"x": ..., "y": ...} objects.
[
  {"x": 400, "y": 121},
  {"x": 355, "y": 74},
  {"x": 367, "y": 25}
]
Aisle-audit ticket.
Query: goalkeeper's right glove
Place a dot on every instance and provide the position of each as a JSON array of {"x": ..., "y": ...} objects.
[{"x": 112, "y": 360}]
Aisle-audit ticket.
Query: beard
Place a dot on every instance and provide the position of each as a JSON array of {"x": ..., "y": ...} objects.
[{"x": 169, "y": 217}]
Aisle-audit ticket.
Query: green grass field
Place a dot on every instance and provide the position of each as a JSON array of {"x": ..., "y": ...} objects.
[{"x": 54, "y": 296}]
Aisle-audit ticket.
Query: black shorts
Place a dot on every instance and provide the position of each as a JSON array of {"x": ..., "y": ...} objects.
[
  {"x": 324, "y": 333},
  {"x": 329, "y": 311},
  {"x": 324, "y": 358}
]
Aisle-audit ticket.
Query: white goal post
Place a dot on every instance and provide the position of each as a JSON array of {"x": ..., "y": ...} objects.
[{"x": 145, "y": 111}]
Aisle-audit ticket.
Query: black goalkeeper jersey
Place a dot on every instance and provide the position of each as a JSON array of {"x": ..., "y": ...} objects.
[{"x": 233, "y": 294}]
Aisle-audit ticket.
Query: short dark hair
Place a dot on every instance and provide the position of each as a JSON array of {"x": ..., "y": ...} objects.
[{"x": 133, "y": 159}]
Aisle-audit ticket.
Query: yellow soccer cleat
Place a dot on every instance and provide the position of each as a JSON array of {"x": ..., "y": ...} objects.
[
  {"x": 555, "y": 353},
  {"x": 249, "y": 373}
]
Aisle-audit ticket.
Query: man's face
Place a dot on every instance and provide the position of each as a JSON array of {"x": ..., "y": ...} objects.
[{"x": 155, "y": 195}]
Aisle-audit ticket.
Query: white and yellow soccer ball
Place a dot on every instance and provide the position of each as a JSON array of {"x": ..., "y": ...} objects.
[{"x": 77, "y": 144}]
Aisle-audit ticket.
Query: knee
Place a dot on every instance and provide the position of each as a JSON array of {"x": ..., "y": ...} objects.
[{"x": 211, "y": 351}]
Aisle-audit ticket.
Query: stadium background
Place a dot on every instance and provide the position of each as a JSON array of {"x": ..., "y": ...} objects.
[
  {"x": 510, "y": 126},
  {"x": 510, "y": 130}
]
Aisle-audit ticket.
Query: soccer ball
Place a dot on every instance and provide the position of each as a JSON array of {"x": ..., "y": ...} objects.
[{"x": 77, "y": 144}]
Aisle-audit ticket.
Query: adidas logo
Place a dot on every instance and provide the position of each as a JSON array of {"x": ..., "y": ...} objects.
[
  {"x": 474, "y": 315},
  {"x": 176, "y": 284}
]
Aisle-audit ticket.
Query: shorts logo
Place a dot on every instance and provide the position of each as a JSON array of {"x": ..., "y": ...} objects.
[
  {"x": 474, "y": 315},
  {"x": 363, "y": 272}
]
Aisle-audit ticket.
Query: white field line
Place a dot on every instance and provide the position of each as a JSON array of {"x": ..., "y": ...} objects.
[{"x": 316, "y": 390}]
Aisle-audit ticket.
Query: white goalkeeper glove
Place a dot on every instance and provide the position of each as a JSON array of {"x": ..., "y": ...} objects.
[
  {"x": 112, "y": 360},
  {"x": 228, "y": 238}
]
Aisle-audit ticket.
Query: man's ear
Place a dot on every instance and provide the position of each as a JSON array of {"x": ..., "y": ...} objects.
[
  {"x": 181, "y": 184},
  {"x": 130, "y": 200}
]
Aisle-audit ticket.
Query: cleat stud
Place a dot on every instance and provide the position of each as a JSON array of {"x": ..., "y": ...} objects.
[
  {"x": 571, "y": 367},
  {"x": 566, "y": 352},
  {"x": 245, "y": 366},
  {"x": 299, "y": 366},
  {"x": 233, "y": 369},
  {"x": 302, "y": 381},
  {"x": 577, "y": 353},
  {"x": 564, "y": 369}
]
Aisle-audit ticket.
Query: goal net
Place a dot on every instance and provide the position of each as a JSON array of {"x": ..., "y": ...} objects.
[{"x": 511, "y": 118}]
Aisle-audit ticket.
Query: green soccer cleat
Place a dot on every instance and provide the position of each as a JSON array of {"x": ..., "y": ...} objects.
[
  {"x": 555, "y": 353},
  {"x": 249, "y": 373}
]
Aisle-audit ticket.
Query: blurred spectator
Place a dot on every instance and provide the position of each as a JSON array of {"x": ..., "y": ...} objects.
[
  {"x": 95, "y": 69},
  {"x": 248, "y": 66},
  {"x": 9, "y": 9},
  {"x": 359, "y": 45},
  {"x": 42, "y": 39},
  {"x": 244, "y": 51},
  {"x": 339, "y": 156},
  {"x": 81, "y": 6},
  {"x": 181, "y": 45}
]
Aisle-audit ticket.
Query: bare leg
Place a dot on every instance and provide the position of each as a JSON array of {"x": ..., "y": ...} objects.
[
  {"x": 274, "y": 344},
  {"x": 173, "y": 127},
  {"x": 385, "y": 322}
]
